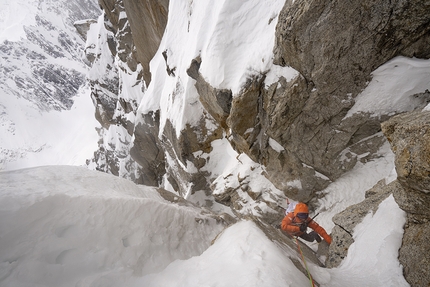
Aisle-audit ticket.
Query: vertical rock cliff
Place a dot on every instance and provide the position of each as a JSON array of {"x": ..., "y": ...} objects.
[
  {"x": 409, "y": 135},
  {"x": 173, "y": 82}
]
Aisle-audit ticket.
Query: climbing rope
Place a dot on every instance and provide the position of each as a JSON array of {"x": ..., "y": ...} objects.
[{"x": 304, "y": 262}]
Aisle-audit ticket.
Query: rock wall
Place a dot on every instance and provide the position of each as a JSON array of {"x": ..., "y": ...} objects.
[
  {"x": 409, "y": 135},
  {"x": 307, "y": 115},
  {"x": 117, "y": 80},
  {"x": 334, "y": 47}
]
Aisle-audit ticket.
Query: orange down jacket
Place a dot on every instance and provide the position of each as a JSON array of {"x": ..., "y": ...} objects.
[{"x": 291, "y": 225}]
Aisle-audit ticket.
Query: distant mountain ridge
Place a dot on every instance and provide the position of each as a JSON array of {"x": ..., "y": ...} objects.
[
  {"x": 42, "y": 70},
  {"x": 32, "y": 69}
]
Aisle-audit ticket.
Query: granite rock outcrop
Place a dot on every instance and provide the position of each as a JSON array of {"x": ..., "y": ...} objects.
[{"x": 409, "y": 136}]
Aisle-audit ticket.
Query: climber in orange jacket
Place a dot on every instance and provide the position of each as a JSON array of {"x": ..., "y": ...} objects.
[{"x": 296, "y": 223}]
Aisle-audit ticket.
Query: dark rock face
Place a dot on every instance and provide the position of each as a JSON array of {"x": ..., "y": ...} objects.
[
  {"x": 409, "y": 137},
  {"x": 147, "y": 22},
  {"x": 358, "y": 36},
  {"x": 144, "y": 24},
  {"x": 414, "y": 254},
  {"x": 335, "y": 47},
  {"x": 216, "y": 101},
  {"x": 147, "y": 151}
]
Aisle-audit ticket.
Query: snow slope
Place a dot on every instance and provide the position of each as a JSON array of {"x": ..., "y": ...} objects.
[
  {"x": 395, "y": 83},
  {"x": 68, "y": 226},
  {"x": 30, "y": 137}
]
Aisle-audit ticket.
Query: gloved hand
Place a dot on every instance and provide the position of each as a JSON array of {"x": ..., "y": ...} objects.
[{"x": 303, "y": 227}]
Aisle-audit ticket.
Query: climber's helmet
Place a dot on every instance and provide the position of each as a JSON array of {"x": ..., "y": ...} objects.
[{"x": 301, "y": 211}]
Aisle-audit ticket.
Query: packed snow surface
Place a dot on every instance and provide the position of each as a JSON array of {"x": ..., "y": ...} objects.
[{"x": 394, "y": 87}]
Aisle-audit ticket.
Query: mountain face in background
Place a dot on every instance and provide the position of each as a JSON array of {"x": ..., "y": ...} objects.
[
  {"x": 282, "y": 84},
  {"x": 42, "y": 72},
  {"x": 39, "y": 66}
]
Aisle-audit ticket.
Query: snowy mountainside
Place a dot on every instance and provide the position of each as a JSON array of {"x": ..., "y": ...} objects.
[
  {"x": 42, "y": 77},
  {"x": 44, "y": 64}
]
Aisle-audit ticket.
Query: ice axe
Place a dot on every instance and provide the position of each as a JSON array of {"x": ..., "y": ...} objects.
[{"x": 315, "y": 216}]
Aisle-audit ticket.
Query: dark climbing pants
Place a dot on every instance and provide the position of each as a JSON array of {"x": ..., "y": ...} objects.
[{"x": 311, "y": 236}]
